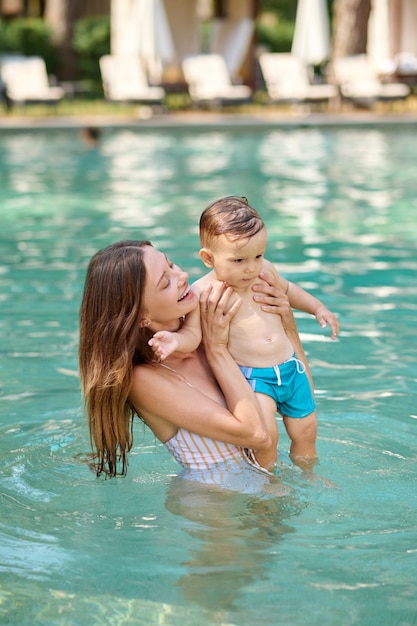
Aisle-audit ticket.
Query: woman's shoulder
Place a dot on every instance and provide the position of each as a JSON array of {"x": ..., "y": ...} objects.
[
  {"x": 159, "y": 373},
  {"x": 147, "y": 386},
  {"x": 166, "y": 396},
  {"x": 143, "y": 375}
]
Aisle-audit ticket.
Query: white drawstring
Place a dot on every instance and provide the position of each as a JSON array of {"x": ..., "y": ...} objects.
[
  {"x": 299, "y": 364},
  {"x": 278, "y": 374}
]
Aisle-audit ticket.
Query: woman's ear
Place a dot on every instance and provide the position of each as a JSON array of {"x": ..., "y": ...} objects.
[
  {"x": 206, "y": 256},
  {"x": 144, "y": 323}
]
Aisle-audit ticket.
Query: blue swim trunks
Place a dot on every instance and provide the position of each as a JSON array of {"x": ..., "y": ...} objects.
[{"x": 287, "y": 383}]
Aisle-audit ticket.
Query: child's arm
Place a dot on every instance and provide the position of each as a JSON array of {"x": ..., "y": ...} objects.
[
  {"x": 304, "y": 301},
  {"x": 187, "y": 339}
]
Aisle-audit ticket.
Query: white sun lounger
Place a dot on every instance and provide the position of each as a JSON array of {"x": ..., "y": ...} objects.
[
  {"x": 358, "y": 81},
  {"x": 209, "y": 81},
  {"x": 124, "y": 80},
  {"x": 26, "y": 81},
  {"x": 287, "y": 80}
]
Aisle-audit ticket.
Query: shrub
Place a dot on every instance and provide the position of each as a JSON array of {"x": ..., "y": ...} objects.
[
  {"x": 28, "y": 36},
  {"x": 274, "y": 33},
  {"x": 91, "y": 41}
]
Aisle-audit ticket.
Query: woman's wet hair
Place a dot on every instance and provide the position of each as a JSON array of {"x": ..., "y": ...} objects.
[{"x": 111, "y": 342}]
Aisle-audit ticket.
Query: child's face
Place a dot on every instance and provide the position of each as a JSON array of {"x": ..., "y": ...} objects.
[{"x": 238, "y": 263}]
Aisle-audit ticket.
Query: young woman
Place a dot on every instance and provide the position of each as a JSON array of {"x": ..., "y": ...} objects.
[{"x": 198, "y": 404}]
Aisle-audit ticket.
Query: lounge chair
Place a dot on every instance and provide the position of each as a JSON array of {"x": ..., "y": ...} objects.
[
  {"x": 209, "y": 81},
  {"x": 287, "y": 80},
  {"x": 405, "y": 64},
  {"x": 26, "y": 81},
  {"x": 358, "y": 81},
  {"x": 124, "y": 80}
]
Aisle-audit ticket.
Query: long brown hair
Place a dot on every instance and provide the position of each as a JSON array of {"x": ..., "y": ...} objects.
[{"x": 111, "y": 342}]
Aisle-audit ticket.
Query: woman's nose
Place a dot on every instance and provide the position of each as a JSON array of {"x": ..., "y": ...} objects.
[{"x": 184, "y": 276}]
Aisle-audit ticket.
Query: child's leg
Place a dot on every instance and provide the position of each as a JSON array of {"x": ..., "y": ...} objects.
[
  {"x": 303, "y": 435},
  {"x": 269, "y": 410}
]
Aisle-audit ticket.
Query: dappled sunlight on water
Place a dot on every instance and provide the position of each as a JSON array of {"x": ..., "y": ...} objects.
[{"x": 341, "y": 217}]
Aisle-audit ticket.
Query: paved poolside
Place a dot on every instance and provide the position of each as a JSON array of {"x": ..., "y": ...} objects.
[{"x": 212, "y": 119}]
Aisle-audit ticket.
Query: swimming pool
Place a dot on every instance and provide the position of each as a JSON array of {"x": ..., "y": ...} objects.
[{"x": 340, "y": 207}]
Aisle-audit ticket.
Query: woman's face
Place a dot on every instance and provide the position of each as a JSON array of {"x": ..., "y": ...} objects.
[{"x": 167, "y": 294}]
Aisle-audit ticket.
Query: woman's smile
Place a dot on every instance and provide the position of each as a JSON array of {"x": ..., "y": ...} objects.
[{"x": 185, "y": 294}]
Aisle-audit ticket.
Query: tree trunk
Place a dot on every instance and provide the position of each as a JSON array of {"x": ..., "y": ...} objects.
[
  {"x": 350, "y": 27},
  {"x": 61, "y": 16}
]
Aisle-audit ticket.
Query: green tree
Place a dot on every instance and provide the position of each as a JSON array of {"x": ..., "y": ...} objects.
[
  {"x": 61, "y": 15},
  {"x": 29, "y": 36},
  {"x": 91, "y": 41}
]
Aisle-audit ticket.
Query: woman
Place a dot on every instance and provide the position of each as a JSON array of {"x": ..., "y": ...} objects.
[{"x": 199, "y": 404}]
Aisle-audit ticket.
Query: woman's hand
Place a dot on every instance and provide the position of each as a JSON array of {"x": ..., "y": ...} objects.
[
  {"x": 273, "y": 299},
  {"x": 216, "y": 313}
]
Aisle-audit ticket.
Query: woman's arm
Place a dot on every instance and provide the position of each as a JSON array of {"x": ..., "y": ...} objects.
[
  {"x": 167, "y": 402},
  {"x": 273, "y": 299},
  {"x": 215, "y": 322}
]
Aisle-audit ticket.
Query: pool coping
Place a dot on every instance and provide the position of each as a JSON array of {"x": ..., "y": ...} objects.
[{"x": 210, "y": 120}]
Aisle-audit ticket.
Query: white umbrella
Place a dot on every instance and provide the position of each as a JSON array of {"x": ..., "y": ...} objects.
[
  {"x": 311, "y": 42},
  {"x": 378, "y": 47},
  {"x": 140, "y": 28},
  {"x": 120, "y": 16},
  {"x": 153, "y": 36}
]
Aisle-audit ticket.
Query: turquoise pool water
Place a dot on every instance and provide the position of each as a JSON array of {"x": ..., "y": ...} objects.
[{"x": 341, "y": 209}]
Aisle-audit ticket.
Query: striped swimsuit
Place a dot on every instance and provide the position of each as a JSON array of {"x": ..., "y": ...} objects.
[
  {"x": 200, "y": 453},
  {"x": 214, "y": 462}
]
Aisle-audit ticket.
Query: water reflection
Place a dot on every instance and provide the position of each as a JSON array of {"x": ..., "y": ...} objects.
[
  {"x": 341, "y": 219},
  {"x": 307, "y": 181},
  {"x": 233, "y": 540}
]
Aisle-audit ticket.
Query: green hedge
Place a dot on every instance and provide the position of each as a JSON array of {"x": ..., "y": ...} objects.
[
  {"x": 91, "y": 41},
  {"x": 33, "y": 37},
  {"x": 28, "y": 36},
  {"x": 284, "y": 9},
  {"x": 277, "y": 37}
]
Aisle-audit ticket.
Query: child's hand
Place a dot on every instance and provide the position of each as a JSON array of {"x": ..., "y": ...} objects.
[
  {"x": 164, "y": 343},
  {"x": 324, "y": 317}
]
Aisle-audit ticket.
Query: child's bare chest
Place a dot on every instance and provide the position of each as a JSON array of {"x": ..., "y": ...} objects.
[
  {"x": 253, "y": 323},
  {"x": 258, "y": 338}
]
